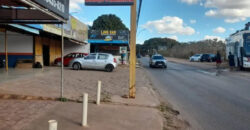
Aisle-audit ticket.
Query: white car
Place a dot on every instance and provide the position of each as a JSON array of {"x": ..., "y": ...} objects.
[
  {"x": 99, "y": 61},
  {"x": 196, "y": 57},
  {"x": 158, "y": 61}
]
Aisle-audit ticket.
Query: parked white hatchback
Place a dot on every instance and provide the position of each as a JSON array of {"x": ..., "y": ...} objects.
[
  {"x": 99, "y": 61},
  {"x": 196, "y": 57}
]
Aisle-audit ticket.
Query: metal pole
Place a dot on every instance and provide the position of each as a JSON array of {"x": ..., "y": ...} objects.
[
  {"x": 132, "y": 69},
  {"x": 6, "y": 51},
  {"x": 62, "y": 61}
]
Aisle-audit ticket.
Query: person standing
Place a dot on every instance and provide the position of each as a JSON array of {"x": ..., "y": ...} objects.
[
  {"x": 218, "y": 62},
  {"x": 231, "y": 61}
]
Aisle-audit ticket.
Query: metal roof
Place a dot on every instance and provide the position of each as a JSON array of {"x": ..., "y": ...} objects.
[{"x": 31, "y": 11}]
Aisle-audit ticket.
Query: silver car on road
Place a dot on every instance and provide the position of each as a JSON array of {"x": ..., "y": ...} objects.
[{"x": 99, "y": 61}]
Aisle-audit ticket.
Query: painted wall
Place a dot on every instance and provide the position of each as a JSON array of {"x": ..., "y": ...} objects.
[
  {"x": 70, "y": 47},
  {"x": 54, "y": 49},
  {"x": 19, "y": 46}
]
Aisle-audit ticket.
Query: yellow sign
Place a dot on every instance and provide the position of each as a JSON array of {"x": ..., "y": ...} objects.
[{"x": 108, "y": 32}]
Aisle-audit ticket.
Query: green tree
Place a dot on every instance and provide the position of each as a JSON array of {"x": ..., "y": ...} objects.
[{"x": 108, "y": 22}]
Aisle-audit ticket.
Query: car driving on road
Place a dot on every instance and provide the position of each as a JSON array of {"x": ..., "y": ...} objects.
[
  {"x": 158, "y": 61},
  {"x": 99, "y": 61}
]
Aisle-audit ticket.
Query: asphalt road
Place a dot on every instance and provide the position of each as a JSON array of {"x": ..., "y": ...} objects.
[{"x": 207, "y": 101}]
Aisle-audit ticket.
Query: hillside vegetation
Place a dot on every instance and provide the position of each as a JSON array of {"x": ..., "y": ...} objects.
[{"x": 172, "y": 48}]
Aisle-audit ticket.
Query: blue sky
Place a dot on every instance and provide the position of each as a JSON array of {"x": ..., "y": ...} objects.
[{"x": 183, "y": 20}]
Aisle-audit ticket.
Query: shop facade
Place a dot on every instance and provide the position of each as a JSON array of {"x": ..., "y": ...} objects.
[
  {"x": 41, "y": 43},
  {"x": 109, "y": 41}
]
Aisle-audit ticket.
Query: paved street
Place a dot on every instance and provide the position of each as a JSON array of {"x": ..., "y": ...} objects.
[{"x": 207, "y": 101}]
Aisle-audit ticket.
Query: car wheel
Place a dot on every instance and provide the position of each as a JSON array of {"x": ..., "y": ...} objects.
[
  {"x": 109, "y": 68},
  {"x": 165, "y": 66},
  {"x": 76, "y": 66}
]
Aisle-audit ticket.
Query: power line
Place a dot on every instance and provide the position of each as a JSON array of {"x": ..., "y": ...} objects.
[{"x": 138, "y": 14}]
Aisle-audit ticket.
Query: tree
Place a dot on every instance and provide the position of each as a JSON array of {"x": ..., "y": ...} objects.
[{"x": 108, "y": 22}]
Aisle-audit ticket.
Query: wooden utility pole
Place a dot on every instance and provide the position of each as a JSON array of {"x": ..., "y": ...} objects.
[{"x": 132, "y": 65}]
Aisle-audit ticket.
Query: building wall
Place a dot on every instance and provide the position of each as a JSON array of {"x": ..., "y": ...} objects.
[
  {"x": 70, "y": 47},
  {"x": 54, "y": 49},
  {"x": 19, "y": 46}
]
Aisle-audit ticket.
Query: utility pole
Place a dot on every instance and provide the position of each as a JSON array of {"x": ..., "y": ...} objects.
[{"x": 132, "y": 69}]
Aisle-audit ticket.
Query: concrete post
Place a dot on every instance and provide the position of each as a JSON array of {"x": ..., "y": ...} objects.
[
  {"x": 98, "y": 96},
  {"x": 84, "y": 109},
  {"x": 52, "y": 125}
]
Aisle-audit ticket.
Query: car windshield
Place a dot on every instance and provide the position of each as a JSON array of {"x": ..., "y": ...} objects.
[
  {"x": 157, "y": 57},
  {"x": 247, "y": 46},
  {"x": 196, "y": 55},
  {"x": 68, "y": 56}
]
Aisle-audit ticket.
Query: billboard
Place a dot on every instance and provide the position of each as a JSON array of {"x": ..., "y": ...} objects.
[
  {"x": 60, "y": 7},
  {"x": 108, "y": 36},
  {"x": 109, "y": 2}
]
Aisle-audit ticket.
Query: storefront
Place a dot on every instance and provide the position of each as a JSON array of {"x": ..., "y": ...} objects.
[
  {"x": 109, "y": 41},
  {"x": 41, "y": 43}
]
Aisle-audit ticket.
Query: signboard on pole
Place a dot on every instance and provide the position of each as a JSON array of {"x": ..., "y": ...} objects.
[
  {"x": 109, "y": 2},
  {"x": 60, "y": 7}
]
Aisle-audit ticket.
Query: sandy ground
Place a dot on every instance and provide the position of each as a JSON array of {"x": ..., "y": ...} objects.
[{"x": 47, "y": 84}]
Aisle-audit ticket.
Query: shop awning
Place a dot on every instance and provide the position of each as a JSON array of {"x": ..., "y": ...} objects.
[
  {"x": 34, "y": 11},
  {"x": 31, "y": 30}
]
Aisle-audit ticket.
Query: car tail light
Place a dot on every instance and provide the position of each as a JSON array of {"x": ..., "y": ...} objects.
[
  {"x": 115, "y": 60},
  {"x": 248, "y": 59}
]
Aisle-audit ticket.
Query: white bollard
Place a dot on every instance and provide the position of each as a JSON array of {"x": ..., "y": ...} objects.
[
  {"x": 98, "y": 96},
  {"x": 52, "y": 125},
  {"x": 84, "y": 109}
]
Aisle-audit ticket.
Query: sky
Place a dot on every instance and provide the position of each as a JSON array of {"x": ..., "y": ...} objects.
[{"x": 182, "y": 20}]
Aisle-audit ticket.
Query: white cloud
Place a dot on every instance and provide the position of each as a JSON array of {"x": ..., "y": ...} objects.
[
  {"x": 89, "y": 23},
  {"x": 219, "y": 30},
  {"x": 232, "y": 29},
  {"x": 192, "y": 21},
  {"x": 190, "y": 1},
  {"x": 174, "y": 37},
  {"x": 231, "y": 10},
  {"x": 75, "y": 5},
  {"x": 208, "y": 37},
  {"x": 169, "y": 25}
]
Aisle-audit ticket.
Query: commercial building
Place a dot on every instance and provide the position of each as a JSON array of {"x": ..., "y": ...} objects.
[
  {"x": 109, "y": 41},
  {"x": 41, "y": 43}
]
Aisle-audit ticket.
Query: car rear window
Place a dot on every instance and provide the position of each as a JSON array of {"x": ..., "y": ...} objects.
[
  {"x": 157, "y": 57},
  {"x": 102, "y": 57}
]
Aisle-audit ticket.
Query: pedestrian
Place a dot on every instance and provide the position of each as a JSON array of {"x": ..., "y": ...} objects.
[
  {"x": 123, "y": 57},
  {"x": 218, "y": 62},
  {"x": 231, "y": 61}
]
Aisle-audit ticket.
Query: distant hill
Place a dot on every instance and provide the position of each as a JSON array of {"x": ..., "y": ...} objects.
[{"x": 173, "y": 48}]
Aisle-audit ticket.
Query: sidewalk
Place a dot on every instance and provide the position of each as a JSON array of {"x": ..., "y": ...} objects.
[
  {"x": 116, "y": 113},
  {"x": 138, "y": 115}
]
